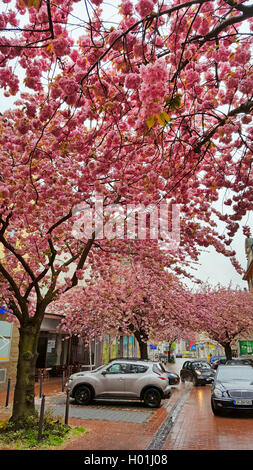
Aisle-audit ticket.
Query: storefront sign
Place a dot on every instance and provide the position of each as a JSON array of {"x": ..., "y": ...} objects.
[
  {"x": 50, "y": 345},
  {"x": 5, "y": 340},
  {"x": 246, "y": 347}
]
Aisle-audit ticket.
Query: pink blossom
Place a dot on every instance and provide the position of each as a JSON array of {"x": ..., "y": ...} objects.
[
  {"x": 153, "y": 87},
  {"x": 192, "y": 77},
  {"x": 126, "y": 7},
  {"x": 246, "y": 86},
  {"x": 61, "y": 47},
  {"x": 132, "y": 81},
  {"x": 204, "y": 28},
  {"x": 158, "y": 41},
  {"x": 246, "y": 231},
  {"x": 114, "y": 35},
  {"x": 69, "y": 85},
  {"x": 23, "y": 127},
  {"x": 46, "y": 112},
  {"x": 246, "y": 119},
  {"x": 144, "y": 7},
  {"x": 97, "y": 2},
  {"x": 31, "y": 110},
  {"x": 242, "y": 57}
]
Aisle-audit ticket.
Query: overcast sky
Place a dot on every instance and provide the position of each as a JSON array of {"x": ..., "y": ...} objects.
[{"x": 215, "y": 268}]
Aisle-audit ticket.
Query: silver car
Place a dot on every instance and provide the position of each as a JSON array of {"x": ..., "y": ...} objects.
[{"x": 121, "y": 379}]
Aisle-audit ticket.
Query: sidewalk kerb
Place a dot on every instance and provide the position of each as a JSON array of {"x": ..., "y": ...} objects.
[{"x": 161, "y": 434}]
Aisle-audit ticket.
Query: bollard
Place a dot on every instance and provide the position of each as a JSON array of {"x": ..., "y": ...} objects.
[
  {"x": 42, "y": 410},
  {"x": 67, "y": 409},
  {"x": 63, "y": 380},
  {"x": 41, "y": 384},
  {"x": 8, "y": 393}
]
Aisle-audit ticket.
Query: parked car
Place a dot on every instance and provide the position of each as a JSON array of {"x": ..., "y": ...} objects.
[
  {"x": 174, "y": 378},
  {"x": 217, "y": 361},
  {"x": 122, "y": 379},
  {"x": 232, "y": 389},
  {"x": 198, "y": 371},
  {"x": 240, "y": 361},
  {"x": 213, "y": 358}
]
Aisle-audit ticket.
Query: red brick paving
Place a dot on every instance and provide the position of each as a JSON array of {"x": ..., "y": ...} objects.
[{"x": 198, "y": 429}]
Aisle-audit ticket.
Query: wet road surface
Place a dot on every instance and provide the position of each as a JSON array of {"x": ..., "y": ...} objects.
[{"x": 196, "y": 428}]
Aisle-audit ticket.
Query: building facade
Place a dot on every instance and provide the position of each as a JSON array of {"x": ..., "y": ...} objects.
[
  {"x": 9, "y": 339},
  {"x": 248, "y": 276}
]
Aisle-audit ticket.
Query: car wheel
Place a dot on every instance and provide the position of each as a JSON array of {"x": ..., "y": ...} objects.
[
  {"x": 214, "y": 410},
  {"x": 152, "y": 398},
  {"x": 83, "y": 395}
]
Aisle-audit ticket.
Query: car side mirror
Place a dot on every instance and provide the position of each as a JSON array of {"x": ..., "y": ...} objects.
[{"x": 103, "y": 372}]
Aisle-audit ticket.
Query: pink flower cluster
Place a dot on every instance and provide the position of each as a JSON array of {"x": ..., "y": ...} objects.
[
  {"x": 8, "y": 79},
  {"x": 153, "y": 87},
  {"x": 132, "y": 81},
  {"x": 97, "y": 2},
  {"x": 145, "y": 7},
  {"x": 114, "y": 35},
  {"x": 61, "y": 47},
  {"x": 126, "y": 7}
]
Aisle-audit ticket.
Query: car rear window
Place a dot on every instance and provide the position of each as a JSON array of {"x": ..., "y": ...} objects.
[
  {"x": 158, "y": 368},
  {"x": 137, "y": 369},
  {"x": 201, "y": 365}
]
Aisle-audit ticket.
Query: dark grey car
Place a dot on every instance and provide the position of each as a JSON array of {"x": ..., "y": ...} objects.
[
  {"x": 198, "y": 371},
  {"x": 232, "y": 389}
]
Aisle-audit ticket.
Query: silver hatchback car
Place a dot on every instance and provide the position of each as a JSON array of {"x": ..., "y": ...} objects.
[{"x": 121, "y": 379}]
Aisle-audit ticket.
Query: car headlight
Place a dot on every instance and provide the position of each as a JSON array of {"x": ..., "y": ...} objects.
[{"x": 218, "y": 393}]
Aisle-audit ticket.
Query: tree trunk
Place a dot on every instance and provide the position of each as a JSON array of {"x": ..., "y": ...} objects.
[
  {"x": 228, "y": 351},
  {"x": 23, "y": 404},
  {"x": 142, "y": 341}
]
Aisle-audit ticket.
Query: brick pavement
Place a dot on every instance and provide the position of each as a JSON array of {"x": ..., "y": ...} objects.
[
  {"x": 102, "y": 434},
  {"x": 196, "y": 428}
]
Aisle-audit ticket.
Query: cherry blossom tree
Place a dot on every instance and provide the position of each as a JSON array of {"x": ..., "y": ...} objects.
[
  {"x": 225, "y": 314},
  {"x": 130, "y": 298},
  {"x": 156, "y": 106}
]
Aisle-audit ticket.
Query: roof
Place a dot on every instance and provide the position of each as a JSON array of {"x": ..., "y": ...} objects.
[{"x": 130, "y": 359}]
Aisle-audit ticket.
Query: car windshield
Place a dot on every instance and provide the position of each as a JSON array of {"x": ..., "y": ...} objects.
[
  {"x": 235, "y": 373},
  {"x": 98, "y": 368},
  {"x": 200, "y": 365}
]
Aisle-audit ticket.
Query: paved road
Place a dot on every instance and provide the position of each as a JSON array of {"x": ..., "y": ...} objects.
[
  {"x": 196, "y": 428},
  {"x": 184, "y": 422}
]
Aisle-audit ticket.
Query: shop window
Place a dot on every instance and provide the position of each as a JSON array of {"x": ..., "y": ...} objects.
[
  {"x": 2, "y": 376},
  {"x": 5, "y": 340}
]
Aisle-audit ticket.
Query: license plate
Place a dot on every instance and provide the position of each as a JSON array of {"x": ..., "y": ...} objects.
[{"x": 242, "y": 402}]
